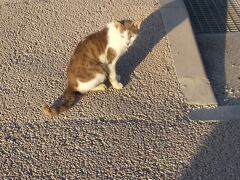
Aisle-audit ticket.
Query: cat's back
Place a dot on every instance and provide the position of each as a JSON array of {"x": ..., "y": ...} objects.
[{"x": 94, "y": 44}]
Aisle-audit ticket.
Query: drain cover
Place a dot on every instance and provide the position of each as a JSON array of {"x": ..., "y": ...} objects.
[{"x": 214, "y": 16}]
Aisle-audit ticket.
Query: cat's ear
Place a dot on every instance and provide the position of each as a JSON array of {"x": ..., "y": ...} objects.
[
  {"x": 137, "y": 24},
  {"x": 117, "y": 24}
]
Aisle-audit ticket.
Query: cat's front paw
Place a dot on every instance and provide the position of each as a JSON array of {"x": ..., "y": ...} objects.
[{"x": 117, "y": 85}]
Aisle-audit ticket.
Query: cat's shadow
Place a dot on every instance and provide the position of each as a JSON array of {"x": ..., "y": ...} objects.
[{"x": 150, "y": 34}]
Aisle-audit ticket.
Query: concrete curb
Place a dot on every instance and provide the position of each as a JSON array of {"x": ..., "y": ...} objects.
[
  {"x": 188, "y": 63},
  {"x": 221, "y": 113}
]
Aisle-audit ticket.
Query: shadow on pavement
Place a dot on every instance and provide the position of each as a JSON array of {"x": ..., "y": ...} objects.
[
  {"x": 151, "y": 33},
  {"x": 219, "y": 157}
]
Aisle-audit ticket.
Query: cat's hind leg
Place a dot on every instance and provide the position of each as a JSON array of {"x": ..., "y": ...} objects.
[
  {"x": 93, "y": 84},
  {"x": 100, "y": 87}
]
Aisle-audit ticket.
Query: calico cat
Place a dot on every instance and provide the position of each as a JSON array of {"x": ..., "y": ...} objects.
[{"x": 94, "y": 60}]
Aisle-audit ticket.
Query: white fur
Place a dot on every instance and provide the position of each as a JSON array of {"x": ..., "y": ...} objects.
[
  {"x": 84, "y": 87},
  {"x": 115, "y": 39},
  {"x": 103, "y": 58}
]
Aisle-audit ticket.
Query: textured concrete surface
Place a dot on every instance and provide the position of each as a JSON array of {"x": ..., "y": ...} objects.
[
  {"x": 40, "y": 40},
  {"x": 141, "y": 132}
]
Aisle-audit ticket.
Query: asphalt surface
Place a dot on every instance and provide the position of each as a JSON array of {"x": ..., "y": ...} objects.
[{"x": 140, "y": 132}]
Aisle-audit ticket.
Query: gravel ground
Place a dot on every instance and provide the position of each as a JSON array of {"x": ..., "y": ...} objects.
[{"x": 140, "y": 132}]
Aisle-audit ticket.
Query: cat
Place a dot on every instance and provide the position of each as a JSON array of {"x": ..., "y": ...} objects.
[{"x": 94, "y": 60}]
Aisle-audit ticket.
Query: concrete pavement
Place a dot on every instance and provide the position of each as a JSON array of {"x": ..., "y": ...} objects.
[{"x": 141, "y": 132}]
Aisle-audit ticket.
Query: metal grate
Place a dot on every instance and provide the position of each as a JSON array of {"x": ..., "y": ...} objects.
[{"x": 214, "y": 16}]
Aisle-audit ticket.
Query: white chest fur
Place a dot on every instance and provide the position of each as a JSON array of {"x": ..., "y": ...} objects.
[{"x": 115, "y": 40}]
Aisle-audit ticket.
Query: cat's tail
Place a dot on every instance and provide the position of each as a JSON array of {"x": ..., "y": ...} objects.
[{"x": 70, "y": 100}]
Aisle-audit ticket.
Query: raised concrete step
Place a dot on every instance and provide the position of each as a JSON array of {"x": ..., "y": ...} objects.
[
  {"x": 218, "y": 113},
  {"x": 187, "y": 60}
]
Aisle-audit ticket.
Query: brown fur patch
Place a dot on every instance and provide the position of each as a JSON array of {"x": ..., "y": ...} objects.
[
  {"x": 111, "y": 55},
  {"x": 85, "y": 64}
]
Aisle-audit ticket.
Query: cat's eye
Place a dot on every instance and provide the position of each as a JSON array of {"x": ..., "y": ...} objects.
[{"x": 122, "y": 36}]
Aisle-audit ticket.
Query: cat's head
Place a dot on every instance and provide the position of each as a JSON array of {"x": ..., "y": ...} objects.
[{"x": 129, "y": 30}]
